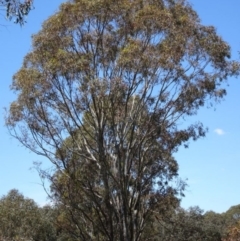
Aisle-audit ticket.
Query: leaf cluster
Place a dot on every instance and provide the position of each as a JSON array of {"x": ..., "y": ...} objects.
[{"x": 17, "y": 10}]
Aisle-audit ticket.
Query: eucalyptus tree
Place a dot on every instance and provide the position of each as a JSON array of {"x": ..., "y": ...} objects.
[
  {"x": 16, "y": 215},
  {"x": 22, "y": 219},
  {"x": 188, "y": 225},
  {"x": 103, "y": 94}
]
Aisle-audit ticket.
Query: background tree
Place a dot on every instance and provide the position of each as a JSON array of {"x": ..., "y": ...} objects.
[
  {"x": 230, "y": 228},
  {"x": 233, "y": 232},
  {"x": 232, "y": 215},
  {"x": 16, "y": 9},
  {"x": 22, "y": 219},
  {"x": 46, "y": 227},
  {"x": 102, "y": 95},
  {"x": 215, "y": 221},
  {"x": 183, "y": 225}
]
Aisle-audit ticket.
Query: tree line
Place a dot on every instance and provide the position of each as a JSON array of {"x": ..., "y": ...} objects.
[{"x": 22, "y": 219}]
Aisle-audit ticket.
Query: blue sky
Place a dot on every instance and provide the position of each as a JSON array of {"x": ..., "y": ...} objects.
[{"x": 211, "y": 165}]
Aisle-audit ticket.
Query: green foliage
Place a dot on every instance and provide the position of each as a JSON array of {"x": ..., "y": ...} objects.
[
  {"x": 22, "y": 219},
  {"x": 215, "y": 221},
  {"x": 185, "y": 225},
  {"x": 232, "y": 215},
  {"x": 18, "y": 216}
]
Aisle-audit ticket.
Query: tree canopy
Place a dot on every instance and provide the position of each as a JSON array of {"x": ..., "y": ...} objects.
[{"x": 103, "y": 94}]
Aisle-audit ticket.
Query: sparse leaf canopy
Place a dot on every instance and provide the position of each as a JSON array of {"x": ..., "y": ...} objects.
[{"x": 102, "y": 94}]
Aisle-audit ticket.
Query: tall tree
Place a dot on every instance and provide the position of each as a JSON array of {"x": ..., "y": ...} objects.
[
  {"x": 102, "y": 95},
  {"x": 16, "y": 9}
]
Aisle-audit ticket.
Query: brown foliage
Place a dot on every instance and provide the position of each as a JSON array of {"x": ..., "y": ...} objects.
[{"x": 101, "y": 95}]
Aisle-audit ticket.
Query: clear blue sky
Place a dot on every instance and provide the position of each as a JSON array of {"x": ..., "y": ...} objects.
[{"x": 211, "y": 165}]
